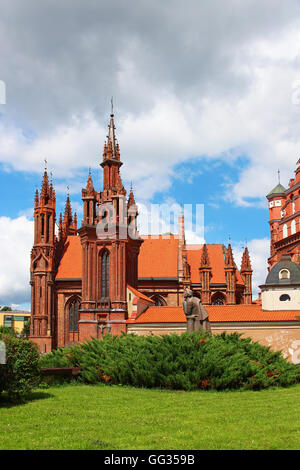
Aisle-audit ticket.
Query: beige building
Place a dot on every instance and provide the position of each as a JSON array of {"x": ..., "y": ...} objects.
[{"x": 281, "y": 290}]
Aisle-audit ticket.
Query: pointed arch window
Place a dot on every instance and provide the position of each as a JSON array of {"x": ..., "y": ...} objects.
[
  {"x": 104, "y": 264},
  {"x": 218, "y": 299},
  {"x": 74, "y": 316}
]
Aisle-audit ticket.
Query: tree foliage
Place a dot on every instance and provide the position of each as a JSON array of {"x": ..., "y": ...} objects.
[{"x": 22, "y": 370}]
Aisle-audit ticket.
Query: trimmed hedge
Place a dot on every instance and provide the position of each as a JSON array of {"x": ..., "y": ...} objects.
[
  {"x": 187, "y": 362},
  {"x": 21, "y": 372}
]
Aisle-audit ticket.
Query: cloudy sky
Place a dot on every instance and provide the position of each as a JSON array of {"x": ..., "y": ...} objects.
[{"x": 207, "y": 107}]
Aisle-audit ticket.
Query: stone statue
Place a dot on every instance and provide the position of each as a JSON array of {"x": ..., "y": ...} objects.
[{"x": 196, "y": 314}]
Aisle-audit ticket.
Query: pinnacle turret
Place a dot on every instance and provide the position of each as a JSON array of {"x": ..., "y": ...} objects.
[
  {"x": 229, "y": 261},
  {"x": 246, "y": 263},
  {"x": 205, "y": 263}
]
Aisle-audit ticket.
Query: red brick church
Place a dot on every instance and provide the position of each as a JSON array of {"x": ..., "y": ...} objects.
[{"x": 100, "y": 277}]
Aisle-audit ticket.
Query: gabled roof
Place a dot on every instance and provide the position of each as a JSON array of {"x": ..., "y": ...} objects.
[
  {"x": 70, "y": 266},
  {"x": 139, "y": 294},
  {"x": 158, "y": 257}
]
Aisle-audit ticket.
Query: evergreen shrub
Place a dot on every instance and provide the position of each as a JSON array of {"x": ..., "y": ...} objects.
[
  {"x": 184, "y": 362},
  {"x": 21, "y": 372}
]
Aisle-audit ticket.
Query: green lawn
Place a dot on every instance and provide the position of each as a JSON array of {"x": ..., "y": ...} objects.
[{"x": 115, "y": 417}]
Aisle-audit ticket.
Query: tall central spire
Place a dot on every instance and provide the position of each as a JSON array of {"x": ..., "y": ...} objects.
[
  {"x": 111, "y": 161},
  {"x": 111, "y": 138}
]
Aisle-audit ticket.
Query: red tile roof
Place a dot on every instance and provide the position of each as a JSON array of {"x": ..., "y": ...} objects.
[
  {"x": 139, "y": 294},
  {"x": 158, "y": 257},
  {"x": 248, "y": 313},
  {"x": 70, "y": 266},
  {"x": 218, "y": 314},
  {"x": 161, "y": 315}
]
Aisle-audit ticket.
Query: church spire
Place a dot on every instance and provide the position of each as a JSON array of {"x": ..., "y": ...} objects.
[
  {"x": 68, "y": 222},
  {"x": 246, "y": 263},
  {"x": 45, "y": 191},
  {"x": 111, "y": 162},
  {"x": 229, "y": 261}
]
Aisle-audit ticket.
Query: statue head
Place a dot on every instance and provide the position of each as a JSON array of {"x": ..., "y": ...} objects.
[{"x": 187, "y": 293}]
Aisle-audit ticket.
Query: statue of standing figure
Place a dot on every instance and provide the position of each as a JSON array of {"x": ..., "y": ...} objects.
[{"x": 196, "y": 314}]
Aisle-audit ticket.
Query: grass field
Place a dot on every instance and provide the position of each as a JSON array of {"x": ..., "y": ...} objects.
[{"x": 121, "y": 418}]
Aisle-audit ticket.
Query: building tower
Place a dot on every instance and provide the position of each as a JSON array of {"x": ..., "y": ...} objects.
[
  {"x": 246, "y": 273},
  {"x": 42, "y": 267},
  {"x": 205, "y": 276},
  {"x": 110, "y": 247},
  {"x": 230, "y": 270}
]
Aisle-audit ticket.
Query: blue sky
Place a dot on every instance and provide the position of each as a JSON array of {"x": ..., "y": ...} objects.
[{"x": 196, "y": 183}]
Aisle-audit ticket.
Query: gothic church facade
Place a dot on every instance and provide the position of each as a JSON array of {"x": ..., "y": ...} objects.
[{"x": 97, "y": 278}]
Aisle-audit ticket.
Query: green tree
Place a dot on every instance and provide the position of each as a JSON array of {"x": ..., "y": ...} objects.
[
  {"x": 26, "y": 330},
  {"x": 6, "y": 308}
]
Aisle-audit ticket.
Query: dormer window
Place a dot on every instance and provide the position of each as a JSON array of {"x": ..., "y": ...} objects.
[
  {"x": 284, "y": 274},
  {"x": 277, "y": 203}
]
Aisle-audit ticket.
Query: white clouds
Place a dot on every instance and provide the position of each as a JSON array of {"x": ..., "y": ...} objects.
[
  {"x": 16, "y": 239},
  {"x": 259, "y": 250},
  {"x": 211, "y": 79}
]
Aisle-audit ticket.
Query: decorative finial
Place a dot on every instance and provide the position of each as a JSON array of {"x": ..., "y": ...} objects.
[
  {"x": 131, "y": 185},
  {"x": 45, "y": 161},
  {"x": 90, "y": 170},
  {"x": 51, "y": 179},
  {"x": 68, "y": 191},
  {"x": 112, "y": 106},
  {"x": 278, "y": 176}
]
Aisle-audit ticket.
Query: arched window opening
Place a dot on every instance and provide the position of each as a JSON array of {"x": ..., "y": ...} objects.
[
  {"x": 284, "y": 298},
  {"x": 42, "y": 225},
  {"x": 284, "y": 274},
  {"x": 159, "y": 300},
  {"x": 105, "y": 218},
  {"x": 104, "y": 274},
  {"x": 74, "y": 316},
  {"x": 285, "y": 231},
  {"x": 218, "y": 299},
  {"x": 293, "y": 227},
  {"x": 47, "y": 227}
]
